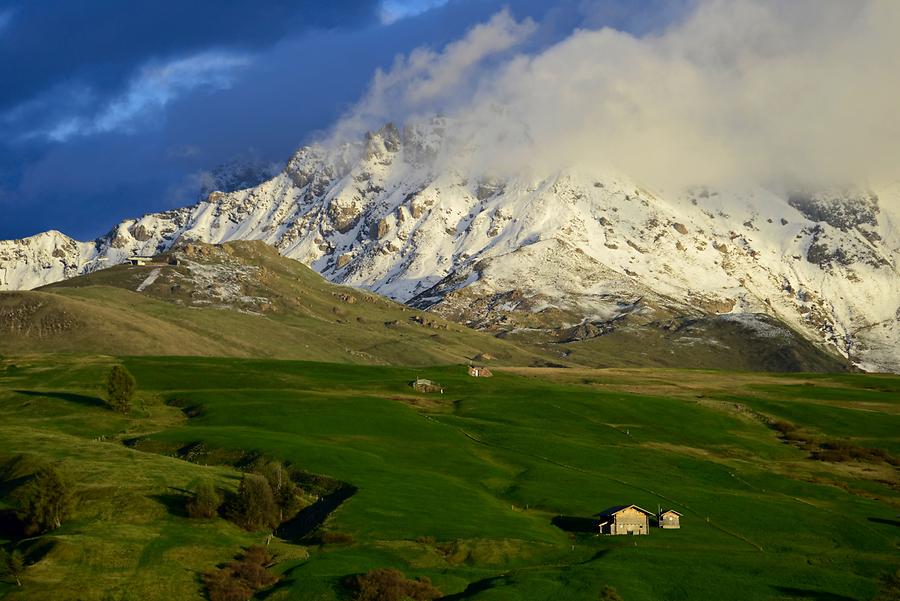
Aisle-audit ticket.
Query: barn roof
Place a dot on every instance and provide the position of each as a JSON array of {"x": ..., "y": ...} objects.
[
  {"x": 665, "y": 511},
  {"x": 617, "y": 508}
]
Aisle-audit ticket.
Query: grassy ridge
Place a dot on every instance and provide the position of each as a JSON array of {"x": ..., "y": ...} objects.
[
  {"x": 242, "y": 299},
  {"x": 239, "y": 300},
  {"x": 463, "y": 487}
]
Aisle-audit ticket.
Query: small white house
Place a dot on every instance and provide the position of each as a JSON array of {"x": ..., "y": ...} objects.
[{"x": 139, "y": 260}]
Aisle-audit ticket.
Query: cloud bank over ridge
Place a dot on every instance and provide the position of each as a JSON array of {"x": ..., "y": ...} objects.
[{"x": 799, "y": 93}]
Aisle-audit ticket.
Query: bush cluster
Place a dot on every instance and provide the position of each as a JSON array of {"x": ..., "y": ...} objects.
[
  {"x": 388, "y": 584},
  {"x": 241, "y": 579},
  {"x": 265, "y": 498},
  {"x": 834, "y": 451},
  {"x": 838, "y": 451},
  {"x": 205, "y": 502},
  {"x": 47, "y": 500}
]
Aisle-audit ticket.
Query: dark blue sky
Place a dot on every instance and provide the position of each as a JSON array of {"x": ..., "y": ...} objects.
[{"x": 110, "y": 109}]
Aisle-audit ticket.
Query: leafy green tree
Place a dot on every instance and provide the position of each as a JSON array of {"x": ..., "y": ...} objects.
[
  {"x": 284, "y": 490},
  {"x": 608, "y": 593},
  {"x": 12, "y": 565},
  {"x": 254, "y": 508},
  {"x": 120, "y": 386},
  {"x": 47, "y": 501},
  {"x": 890, "y": 587},
  {"x": 205, "y": 502}
]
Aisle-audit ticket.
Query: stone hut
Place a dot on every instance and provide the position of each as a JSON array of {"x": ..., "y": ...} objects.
[
  {"x": 624, "y": 519},
  {"x": 423, "y": 385},
  {"x": 479, "y": 372}
]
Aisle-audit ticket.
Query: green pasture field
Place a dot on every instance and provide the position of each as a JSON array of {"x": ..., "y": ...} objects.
[{"x": 462, "y": 487}]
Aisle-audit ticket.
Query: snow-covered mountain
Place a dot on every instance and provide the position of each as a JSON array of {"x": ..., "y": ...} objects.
[
  {"x": 578, "y": 247},
  {"x": 236, "y": 175}
]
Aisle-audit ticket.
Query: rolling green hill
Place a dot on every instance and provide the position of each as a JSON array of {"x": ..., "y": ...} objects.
[
  {"x": 466, "y": 487},
  {"x": 243, "y": 299},
  {"x": 239, "y": 299}
]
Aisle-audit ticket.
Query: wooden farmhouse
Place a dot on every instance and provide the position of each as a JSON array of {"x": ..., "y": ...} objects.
[
  {"x": 669, "y": 518},
  {"x": 625, "y": 519},
  {"x": 479, "y": 372}
]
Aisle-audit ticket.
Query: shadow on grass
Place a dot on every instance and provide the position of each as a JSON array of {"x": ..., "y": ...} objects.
[
  {"x": 281, "y": 585},
  {"x": 575, "y": 524},
  {"x": 38, "y": 548},
  {"x": 174, "y": 502},
  {"x": 598, "y": 555},
  {"x": 11, "y": 527},
  {"x": 81, "y": 399},
  {"x": 807, "y": 593},
  {"x": 313, "y": 516},
  {"x": 479, "y": 586},
  {"x": 885, "y": 521}
]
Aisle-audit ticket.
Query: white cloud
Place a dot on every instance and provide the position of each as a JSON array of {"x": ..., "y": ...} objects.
[
  {"x": 790, "y": 92},
  {"x": 154, "y": 87},
  {"x": 431, "y": 81}
]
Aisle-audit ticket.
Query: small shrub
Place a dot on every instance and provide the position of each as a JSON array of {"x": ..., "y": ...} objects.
[
  {"x": 335, "y": 538},
  {"x": 608, "y": 593},
  {"x": 241, "y": 579},
  {"x": 205, "y": 502},
  {"x": 782, "y": 426},
  {"x": 120, "y": 386},
  {"x": 12, "y": 565},
  {"x": 388, "y": 584},
  {"x": 889, "y": 587}
]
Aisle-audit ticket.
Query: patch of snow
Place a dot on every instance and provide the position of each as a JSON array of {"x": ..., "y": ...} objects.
[{"x": 148, "y": 281}]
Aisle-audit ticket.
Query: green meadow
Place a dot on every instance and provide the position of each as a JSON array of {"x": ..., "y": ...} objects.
[{"x": 463, "y": 487}]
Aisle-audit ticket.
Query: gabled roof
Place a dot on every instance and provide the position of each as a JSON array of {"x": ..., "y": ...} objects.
[
  {"x": 617, "y": 508},
  {"x": 665, "y": 511}
]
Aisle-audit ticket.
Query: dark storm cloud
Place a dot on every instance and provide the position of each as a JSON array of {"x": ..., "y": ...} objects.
[
  {"x": 45, "y": 43},
  {"x": 113, "y": 109}
]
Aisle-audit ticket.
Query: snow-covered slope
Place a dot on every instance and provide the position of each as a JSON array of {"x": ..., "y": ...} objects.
[{"x": 382, "y": 215}]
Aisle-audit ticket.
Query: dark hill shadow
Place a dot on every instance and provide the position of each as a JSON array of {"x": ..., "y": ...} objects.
[
  {"x": 81, "y": 399},
  {"x": 175, "y": 503},
  {"x": 11, "y": 527},
  {"x": 806, "y": 593},
  {"x": 575, "y": 524},
  {"x": 479, "y": 586},
  {"x": 885, "y": 521}
]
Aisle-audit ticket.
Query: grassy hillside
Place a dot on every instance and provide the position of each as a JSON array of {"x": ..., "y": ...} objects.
[
  {"x": 464, "y": 487},
  {"x": 241, "y": 299}
]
